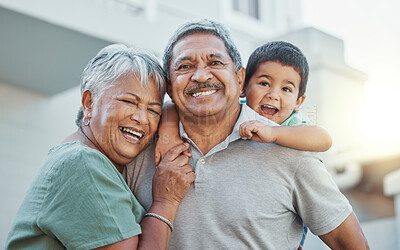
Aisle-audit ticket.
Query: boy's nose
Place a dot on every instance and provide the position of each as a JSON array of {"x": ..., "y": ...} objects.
[{"x": 273, "y": 95}]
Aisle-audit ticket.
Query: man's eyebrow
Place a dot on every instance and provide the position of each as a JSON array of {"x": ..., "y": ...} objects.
[
  {"x": 139, "y": 99},
  {"x": 216, "y": 55},
  {"x": 181, "y": 59}
]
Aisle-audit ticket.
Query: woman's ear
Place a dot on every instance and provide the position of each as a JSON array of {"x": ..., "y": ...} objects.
[
  {"x": 87, "y": 103},
  {"x": 299, "y": 101}
]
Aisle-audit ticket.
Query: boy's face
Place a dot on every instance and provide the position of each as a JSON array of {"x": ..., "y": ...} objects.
[{"x": 272, "y": 91}]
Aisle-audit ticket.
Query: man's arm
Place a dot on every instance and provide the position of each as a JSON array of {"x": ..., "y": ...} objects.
[{"x": 347, "y": 235}]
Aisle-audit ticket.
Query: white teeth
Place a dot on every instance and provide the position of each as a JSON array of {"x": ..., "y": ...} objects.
[
  {"x": 139, "y": 135},
  {"x": 268, "y": 106},
  {"x": 208, "y": 92}
]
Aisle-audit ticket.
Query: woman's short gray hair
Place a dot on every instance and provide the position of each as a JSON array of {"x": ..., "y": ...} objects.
[
  {"x": 115, "y": 61},
  {"x": 202, "y": 26}
]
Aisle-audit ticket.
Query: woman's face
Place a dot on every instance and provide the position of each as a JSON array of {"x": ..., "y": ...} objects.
[{"x": 124, "y": 119}]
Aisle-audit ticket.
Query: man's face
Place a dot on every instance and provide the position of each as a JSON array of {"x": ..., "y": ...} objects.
[{"x": 203, "y": 78}]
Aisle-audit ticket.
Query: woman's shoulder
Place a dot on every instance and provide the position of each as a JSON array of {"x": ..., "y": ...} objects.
[{"x": 75, "y": 157}]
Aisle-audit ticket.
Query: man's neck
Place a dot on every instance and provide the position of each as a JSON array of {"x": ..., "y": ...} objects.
[{"x": 208, "y": 131}]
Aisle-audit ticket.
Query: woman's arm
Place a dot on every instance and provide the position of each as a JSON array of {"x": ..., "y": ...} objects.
[
  {"x": 171, "y": 181},
  {"x": 301, "y": 137}
]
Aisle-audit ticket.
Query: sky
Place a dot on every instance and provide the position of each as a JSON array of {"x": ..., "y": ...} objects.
[{"x": 371, "y": 33}]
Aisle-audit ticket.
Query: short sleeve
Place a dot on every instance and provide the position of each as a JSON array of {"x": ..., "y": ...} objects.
[
  {"x": 88, "y": 204},
  {"x": 317, "y": 198},
  {"x": 296, "y": 118}
]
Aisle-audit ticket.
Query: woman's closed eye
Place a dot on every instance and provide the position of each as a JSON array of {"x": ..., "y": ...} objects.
[
  {"x": 129, "y": 102},
  {"x": 154, "y": 112}
]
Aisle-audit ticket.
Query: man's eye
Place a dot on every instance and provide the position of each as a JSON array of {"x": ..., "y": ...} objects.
[
  {"x": 216, "y": 63},
  {"x": 264, "y": 84},
  {"x": 184, "y": 66}
]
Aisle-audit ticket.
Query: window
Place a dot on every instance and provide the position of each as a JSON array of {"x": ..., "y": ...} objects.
[{"x": 247, "y": 7}]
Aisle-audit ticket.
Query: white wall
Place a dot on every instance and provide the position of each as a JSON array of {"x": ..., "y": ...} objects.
[{"x": 30, "y": 124}]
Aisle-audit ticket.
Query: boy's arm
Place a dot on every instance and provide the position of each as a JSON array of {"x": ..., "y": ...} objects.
[
  {"x": 301, "y": 137},
  {"x": 168, "y": 132}
]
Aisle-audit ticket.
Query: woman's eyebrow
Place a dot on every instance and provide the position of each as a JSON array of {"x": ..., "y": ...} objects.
[{"x": 139, "y": 99}]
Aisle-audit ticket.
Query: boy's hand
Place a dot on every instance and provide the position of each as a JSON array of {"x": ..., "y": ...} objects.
[
  {"x": 256, "y": 131},
  {"x": 165, "y": 143}
]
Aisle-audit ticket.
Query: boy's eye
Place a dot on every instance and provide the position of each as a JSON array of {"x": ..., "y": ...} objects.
[
  {"x": 264, "y": 84},
  {"x": 286, "y": 89}
]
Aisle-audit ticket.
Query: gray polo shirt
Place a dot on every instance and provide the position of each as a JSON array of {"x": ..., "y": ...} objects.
[{"x": 248, "y": 195}]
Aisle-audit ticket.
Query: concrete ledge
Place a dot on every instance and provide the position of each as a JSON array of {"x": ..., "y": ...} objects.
[{"x": 391, "y": 183}]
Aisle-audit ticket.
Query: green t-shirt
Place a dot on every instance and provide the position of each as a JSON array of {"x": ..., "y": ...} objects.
[
  {"x": 296, "y": 118},
  {"x": 78, "y": 200}
]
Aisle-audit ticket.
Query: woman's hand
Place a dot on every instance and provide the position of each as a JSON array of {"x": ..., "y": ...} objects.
[{"x": 173, "y": 176}]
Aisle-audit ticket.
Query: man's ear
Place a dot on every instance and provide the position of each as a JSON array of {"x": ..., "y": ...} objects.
[
  {"x": 169, "y": 90},
  {"x": 241, "y": 75},
  {"x": 243, "y": 92},
  {"x": 299, "y": 101},
  {"x": 87, "y": 103}
]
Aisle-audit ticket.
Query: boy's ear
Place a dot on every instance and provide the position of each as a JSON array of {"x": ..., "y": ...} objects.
[
  {"x": 169, "y": 90},
  {"x": 241, "y": 75},
  {"x": 299, "y": 101},
  {"x": 87, "y": 103}
]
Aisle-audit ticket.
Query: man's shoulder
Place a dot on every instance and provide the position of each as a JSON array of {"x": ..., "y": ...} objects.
[{"x": 268, "y": 152}]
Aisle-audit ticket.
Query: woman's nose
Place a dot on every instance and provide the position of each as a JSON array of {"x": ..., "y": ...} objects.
[
  {"x": 140, "y": 115},
  {"x": 201, "y": 74}
]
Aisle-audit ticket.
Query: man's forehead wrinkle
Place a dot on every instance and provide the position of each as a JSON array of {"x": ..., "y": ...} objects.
[{"x": 192, "y": 56}]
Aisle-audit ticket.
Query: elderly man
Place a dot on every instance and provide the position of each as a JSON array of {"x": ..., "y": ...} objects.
[{"x": 246, "y": 195}]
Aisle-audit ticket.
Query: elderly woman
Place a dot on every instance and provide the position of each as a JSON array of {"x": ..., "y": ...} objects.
[{"x": 79, "y": 199}]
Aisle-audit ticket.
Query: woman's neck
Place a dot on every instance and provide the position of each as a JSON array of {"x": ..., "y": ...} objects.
[{"x": 85, "y": 136}]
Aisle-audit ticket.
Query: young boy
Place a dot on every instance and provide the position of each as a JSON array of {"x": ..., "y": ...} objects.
[{"x": 275, "y": 85}]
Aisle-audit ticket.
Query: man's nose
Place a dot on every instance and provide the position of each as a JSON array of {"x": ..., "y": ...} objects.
[{"x": 201, "y": 74}]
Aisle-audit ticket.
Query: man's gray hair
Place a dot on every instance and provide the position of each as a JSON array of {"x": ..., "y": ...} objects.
[
  {"x": 115, "y": 61},
  {"x": 201, "y": 26}
]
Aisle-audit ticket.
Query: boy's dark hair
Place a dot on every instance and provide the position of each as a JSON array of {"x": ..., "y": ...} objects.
[{"x": 284, "y": 53}]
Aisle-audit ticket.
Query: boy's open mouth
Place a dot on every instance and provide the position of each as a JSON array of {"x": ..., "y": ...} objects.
[{"x": 269, "y": 110}]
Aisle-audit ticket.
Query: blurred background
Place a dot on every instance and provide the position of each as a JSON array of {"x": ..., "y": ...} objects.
[{"x": 352, "y": 48}]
